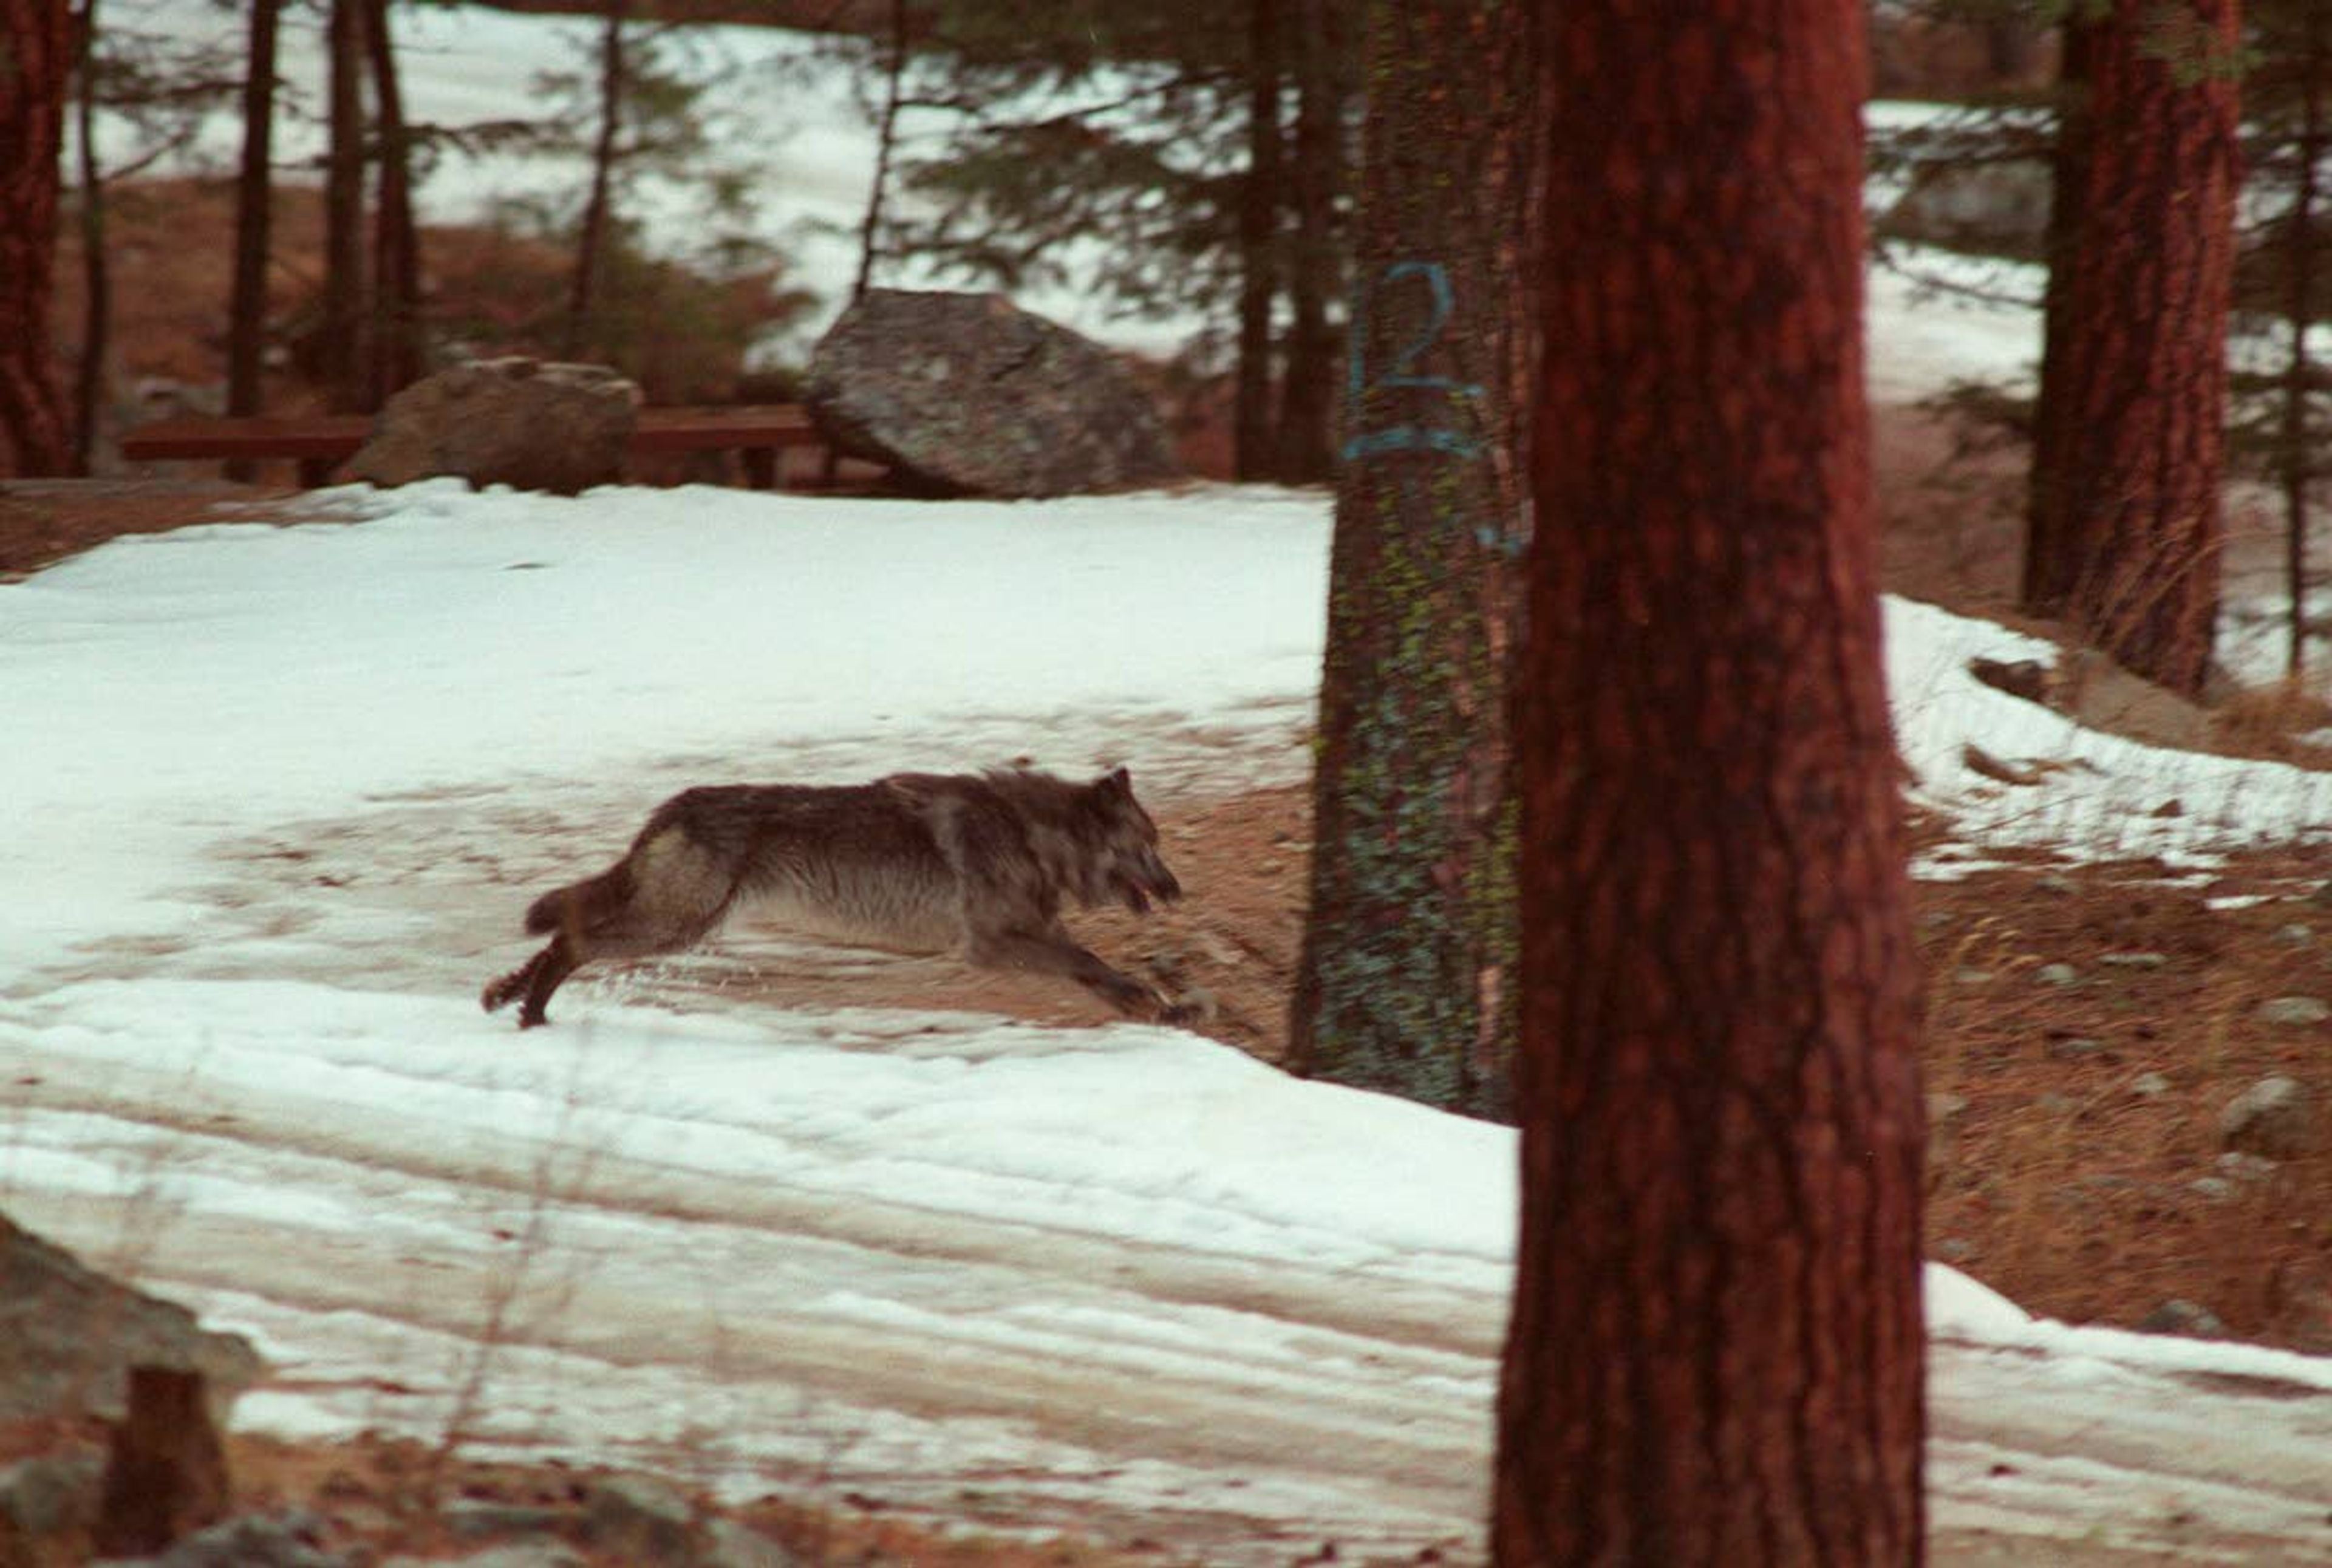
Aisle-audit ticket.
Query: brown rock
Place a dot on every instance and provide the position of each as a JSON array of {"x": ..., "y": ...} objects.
[
  {"x": 519, "y": 421},
  {"x": 67, "y": 1336}
]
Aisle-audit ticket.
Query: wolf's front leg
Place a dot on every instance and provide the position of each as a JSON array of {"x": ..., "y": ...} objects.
[
  {"x": 534, "y": 980},
  {"x": 1054, "y": 952}
]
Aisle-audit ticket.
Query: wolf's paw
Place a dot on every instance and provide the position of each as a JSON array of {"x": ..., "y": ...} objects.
[{"x": 502, "y": 990}]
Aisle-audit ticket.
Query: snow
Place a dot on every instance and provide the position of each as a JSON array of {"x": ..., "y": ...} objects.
[
  {"x": 281, "y": 792},
  {"x": 291, "y": 783}
]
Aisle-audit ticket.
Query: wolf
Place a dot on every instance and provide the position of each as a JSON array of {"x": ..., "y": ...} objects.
[{"x": 977, "y": 864}]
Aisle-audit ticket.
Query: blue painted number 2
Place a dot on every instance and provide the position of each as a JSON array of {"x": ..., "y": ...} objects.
[{"x": 1401, "y": 371}]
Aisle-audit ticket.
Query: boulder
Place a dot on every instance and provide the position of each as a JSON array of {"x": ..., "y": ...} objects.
[
  {"x": 516, "y": 421},
  {"x": 68, "y": 1336},
  {"x": 966, "y": 394},
  {"x": 1994, "y": 209}
]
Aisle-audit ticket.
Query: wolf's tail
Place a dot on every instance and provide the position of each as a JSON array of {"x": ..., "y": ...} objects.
[{"x": 580, "y": 906}]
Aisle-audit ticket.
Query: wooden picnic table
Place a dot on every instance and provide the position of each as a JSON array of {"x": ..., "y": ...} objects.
[{"x": 320, "y": 443}]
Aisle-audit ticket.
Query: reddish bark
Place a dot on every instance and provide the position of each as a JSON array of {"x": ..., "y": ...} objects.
[
  {"x": 35, "y": 59},
  {"x": 1716, "y": 1355},
  {"x": 2126, "y": 528}
]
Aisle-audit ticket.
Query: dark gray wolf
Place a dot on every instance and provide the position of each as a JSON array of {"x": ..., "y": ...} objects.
[{"x": 973, "y": 862}]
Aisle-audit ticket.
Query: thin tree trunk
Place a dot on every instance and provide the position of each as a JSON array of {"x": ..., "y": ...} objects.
[
  {"x": 2048, "y": 582},
  {"x": 97, "y": 283},
  {"x": 887, "y": 133},
  {"x": 396, "y": 251},
  {"x": 2299, "y": 309},
  {"x": 1253, "y": 453},
  {"x": 1308, "y": 388},
  {"x": 253, "y": 207},
  {"x": 2129, "y": 546},
  {"x": 35, "y": 437},
  {"x": 1405, "y": 982},
  {"x": 1715, "y": 1354},
  {"x": 341, "y": 332},
  {"x": 591, "y": 244}
]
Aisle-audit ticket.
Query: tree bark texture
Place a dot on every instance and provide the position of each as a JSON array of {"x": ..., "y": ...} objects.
[
  {"x": 254, "y": 203},
  {"x": 1406, "y": 979},
  {"x": 1715, "y": 1354},
  {"x": 2135, "y": 392},
  {"x": 1253, "y": 454},
  {"x": 35, "y": 59}
]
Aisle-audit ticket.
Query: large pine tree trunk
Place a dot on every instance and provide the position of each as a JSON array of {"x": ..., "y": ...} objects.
[
  {"x": 2126, "y": 527},
  {"x": 1405, "y": 979},
  {"x": 1715, "y": 1353},
  {"x": 35, "y": 59}
]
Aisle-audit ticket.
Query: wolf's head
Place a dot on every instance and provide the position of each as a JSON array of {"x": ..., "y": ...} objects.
[{"x": 1118, "y": 848}]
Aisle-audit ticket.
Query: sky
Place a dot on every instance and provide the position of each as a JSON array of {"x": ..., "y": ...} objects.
[{"x": 289, "y": 787}]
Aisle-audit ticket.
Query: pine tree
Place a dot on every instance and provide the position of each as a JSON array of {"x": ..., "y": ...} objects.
[
  {"x": 1715, "y": 1354},
  {"x": 35, "y": 60},
  {"x": 2125, "y": 524},
  {"x": 1406, "y": 981}
]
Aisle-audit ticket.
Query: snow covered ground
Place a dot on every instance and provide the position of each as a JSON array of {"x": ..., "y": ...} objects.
[
  {"x": 281, "y": 792},
  {"x": 285, "y": 789}
]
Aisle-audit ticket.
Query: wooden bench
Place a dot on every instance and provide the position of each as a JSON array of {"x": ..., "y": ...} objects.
[{"x": 320, "y": 443}]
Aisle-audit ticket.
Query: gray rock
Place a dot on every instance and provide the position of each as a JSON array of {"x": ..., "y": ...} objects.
[
  {"x": 1971, "y": 977},
  {"x": 515, "y": 421},
  {"x": 45, "y": 1496},
  {"x": 729, "y": 1545},
  {"x": 2218, "y": 1189},
  {"x": 2133, "y": 960},
  {"x": 2056, "y": 974},
  {"x": 2186, "y": 1317},
  {"x": 287, "y": 1540},
  {"x": 2152, "y": 1086},
  {"x": 639, "y": 1517},
  {"x": 473, "y": 1518},
  {"x": 2294, "y": 1011},
  {"x": 511, "y": 1555},
  {"x": 2273, "y": 1117},
  {"x": 1998, "y": 208},
  {"x": 69, "y": 1335},
  {"x": 2295, "y": 934},
  {"x": 966, "y": 394},
  {"x": 2246, "y": 1167}
]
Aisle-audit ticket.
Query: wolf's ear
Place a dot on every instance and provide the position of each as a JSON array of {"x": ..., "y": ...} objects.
[{"x": 1119, "y": 782}]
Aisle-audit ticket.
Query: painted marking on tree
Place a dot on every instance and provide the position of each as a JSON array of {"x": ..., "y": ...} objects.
[{"x": 1449, "y": 440}]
